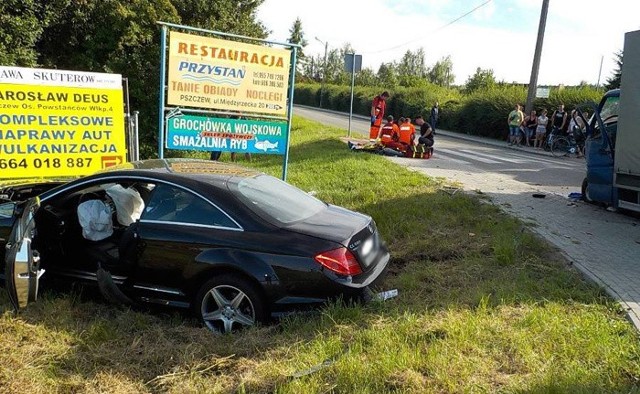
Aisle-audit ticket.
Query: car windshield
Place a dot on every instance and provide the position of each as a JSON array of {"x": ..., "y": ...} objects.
[
  {"x": 274, "y": 199},
  {"x": 610, "y": 108}
]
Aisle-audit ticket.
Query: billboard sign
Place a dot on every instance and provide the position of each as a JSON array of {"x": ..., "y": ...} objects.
[
  {"x": 190, "y": 132},
  {"x": 56, "y": 123},
  {"x": 207, "y": 72}
]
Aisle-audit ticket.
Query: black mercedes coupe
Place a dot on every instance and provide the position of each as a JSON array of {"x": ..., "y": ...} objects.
[{"x": 233, "y": 244}]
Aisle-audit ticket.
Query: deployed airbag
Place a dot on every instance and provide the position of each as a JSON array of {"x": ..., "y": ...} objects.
[
  {"x": 129, "y": 205},
  {"x": 95, "y": 218}
]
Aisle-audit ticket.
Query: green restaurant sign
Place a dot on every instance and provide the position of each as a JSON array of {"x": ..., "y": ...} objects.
[{"x": 189, "y": 132}]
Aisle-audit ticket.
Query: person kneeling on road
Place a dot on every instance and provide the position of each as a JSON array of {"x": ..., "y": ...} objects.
[
  {"x": 426, "y": 132},
  {"x": 390, "y": 134},
  {"x": 423, "y": 146},
  {"x": 407, "y": 132}
]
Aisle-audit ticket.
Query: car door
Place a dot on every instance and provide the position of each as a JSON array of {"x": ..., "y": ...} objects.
[
  {"x": 22, "y": 263},
  {"x": 599, "y": 151},
  {"x": 175, "y": 228}
]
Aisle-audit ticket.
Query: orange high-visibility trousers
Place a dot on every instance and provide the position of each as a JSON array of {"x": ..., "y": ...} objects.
[{"x": 375, "y": 129}]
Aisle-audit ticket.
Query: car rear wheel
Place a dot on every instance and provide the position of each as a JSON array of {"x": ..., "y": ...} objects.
[{"x": 227, "y": 303}]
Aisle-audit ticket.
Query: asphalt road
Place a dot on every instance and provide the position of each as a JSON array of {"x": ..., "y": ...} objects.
[{"x": 476, "y": 160}]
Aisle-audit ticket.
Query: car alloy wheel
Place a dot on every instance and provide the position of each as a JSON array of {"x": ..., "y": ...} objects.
[{"x": 228, "y": 303}]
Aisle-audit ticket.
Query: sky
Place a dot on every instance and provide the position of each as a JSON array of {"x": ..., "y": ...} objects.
[{"x": 500, "y": 35}]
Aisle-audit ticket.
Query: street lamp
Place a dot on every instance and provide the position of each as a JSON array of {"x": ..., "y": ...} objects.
[{"x": 324, "y": 72}]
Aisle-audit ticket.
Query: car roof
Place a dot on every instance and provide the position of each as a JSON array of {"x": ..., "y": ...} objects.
[
  {"x": 209, "y": 171},
  {"x": 194, "y": 173},
  {"x": 187, "y": 167}
]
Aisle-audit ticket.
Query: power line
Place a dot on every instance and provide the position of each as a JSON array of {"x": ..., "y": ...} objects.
[{"x": 433, "y": 31}]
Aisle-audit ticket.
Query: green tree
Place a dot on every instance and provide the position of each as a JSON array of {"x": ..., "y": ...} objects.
[
  {"x": 366, "y": 77},
  {"x": 336, "y": 73},
  {"x": 613, "y": 82},
  {"x": 412, "y": 64},
  {"x": 21, "y": 24},
  {"x": 115, "y": 36},
  {"x": 387, "y": 74},
  {"x": 442, "y": 72},
  {"x": 482, "y": 79},
  {"x": 237, "y": 17},
  {"x": 297, "y": 37}
]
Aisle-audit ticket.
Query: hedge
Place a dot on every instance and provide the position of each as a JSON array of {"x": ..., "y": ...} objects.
[{"x": 482, "y": 113}]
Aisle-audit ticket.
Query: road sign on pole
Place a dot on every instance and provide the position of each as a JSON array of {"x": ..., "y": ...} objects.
[
  {"x": 352, "y": 64},
  {"x": 349, "y": 65}
]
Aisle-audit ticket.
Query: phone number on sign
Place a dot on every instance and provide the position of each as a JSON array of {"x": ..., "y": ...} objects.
[{"x": 79, "y": 162}]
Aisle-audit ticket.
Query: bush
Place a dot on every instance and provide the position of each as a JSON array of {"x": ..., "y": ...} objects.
[
  {"x": 482, "y": 113},
  {"x": 403, "y": 101},
  {"x": 485, "y": 112}
]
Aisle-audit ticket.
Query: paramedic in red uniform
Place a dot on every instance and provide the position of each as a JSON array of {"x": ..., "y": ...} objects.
[
  {"x": 377, "y": 114},
  {"x": 389, "y": 134}
]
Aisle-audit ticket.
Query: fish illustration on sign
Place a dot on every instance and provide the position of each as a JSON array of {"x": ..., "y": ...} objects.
[{"x": 266, "y": 145}]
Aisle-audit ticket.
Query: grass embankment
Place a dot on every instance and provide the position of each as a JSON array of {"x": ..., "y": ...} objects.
[{"x": 483, "y": 306}]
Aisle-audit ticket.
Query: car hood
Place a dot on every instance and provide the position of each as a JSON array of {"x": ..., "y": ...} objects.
[{"x": 334, "y": 224}]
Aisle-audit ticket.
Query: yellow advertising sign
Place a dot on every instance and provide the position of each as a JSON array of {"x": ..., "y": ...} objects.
[
  {"x": 57, "y": 123},
  {"x": 207, "y": 72}
]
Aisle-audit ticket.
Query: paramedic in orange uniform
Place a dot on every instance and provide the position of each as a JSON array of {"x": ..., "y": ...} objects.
[
  {"x": 389, "y": 134},
  {"x": 407, "y": 132},
  {"x": 377, "y": 114}
]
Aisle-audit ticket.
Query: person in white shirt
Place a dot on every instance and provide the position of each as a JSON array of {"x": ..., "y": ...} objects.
[{"x": 541, "y": 129}]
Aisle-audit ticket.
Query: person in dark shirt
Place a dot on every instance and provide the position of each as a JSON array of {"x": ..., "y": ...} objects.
[
  {"x": 433, "y": 117},
  {"x": 530, "y": 125},
  {"x": 559, "y": 118},
  {"x": 426, "y": 132}
]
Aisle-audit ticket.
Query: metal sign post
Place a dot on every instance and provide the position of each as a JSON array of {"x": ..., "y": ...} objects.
[
  {"x": 352, "y": 63},
  {"x": 163, "y": 72}
]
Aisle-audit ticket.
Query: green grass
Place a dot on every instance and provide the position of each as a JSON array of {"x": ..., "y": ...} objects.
[{"x": 483, "y": 306}]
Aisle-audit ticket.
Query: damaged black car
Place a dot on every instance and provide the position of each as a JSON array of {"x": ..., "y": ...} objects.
[{"x": 232, "y": 244}]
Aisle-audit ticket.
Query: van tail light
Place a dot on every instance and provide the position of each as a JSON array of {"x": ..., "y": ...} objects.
[{"x": 340, "y": 261}]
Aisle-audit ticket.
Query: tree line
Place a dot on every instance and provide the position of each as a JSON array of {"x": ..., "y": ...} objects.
[{"x": 410, "y": 71}]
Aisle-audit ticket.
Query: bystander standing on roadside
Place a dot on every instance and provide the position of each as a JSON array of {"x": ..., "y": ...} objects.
[
  {"x": 514, "y": 120},
  {"x": 559, "y": 119},
  {"x": 541, "y": 129},
  {"x": 530, "y": 125},
  {"x": 433, "y": 117},
  {"x": 575, "y": 132}
]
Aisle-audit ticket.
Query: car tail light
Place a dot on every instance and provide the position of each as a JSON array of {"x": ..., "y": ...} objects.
[{"x": 340, "y": 261}]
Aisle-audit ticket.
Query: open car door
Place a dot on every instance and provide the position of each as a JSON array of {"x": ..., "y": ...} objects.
[{"x": 22, "y": 263}]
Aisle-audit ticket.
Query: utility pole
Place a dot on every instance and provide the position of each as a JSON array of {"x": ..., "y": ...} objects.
[
  {"x": 533, "y": 82},
  {"x": 600, "y": 72},
  {"x": 324, "y": 66}
]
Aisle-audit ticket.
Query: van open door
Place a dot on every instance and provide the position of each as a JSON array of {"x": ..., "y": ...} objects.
[{"x": 22, "y": 263}]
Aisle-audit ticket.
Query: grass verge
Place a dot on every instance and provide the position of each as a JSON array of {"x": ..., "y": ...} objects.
[{"x": 484, "y": 306}]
